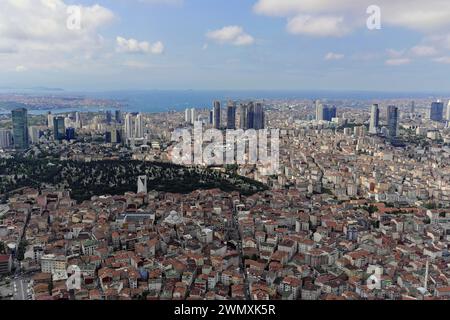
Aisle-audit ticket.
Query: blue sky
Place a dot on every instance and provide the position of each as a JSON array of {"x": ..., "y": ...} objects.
[{"x": 226, "y": 44}]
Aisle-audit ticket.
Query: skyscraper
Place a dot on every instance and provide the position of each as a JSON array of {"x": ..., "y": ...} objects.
[
  {"x": 139, "y": 127},
  {"x": 216, "y": 115},
  {"x": 329, "y": 113},
  {"x": 324, "y": 112},
  {"x": 67, "y": 122},
  {"x": 5, "y": 139},
  {"x": 118, "y": 116},
  {"x": 108, "y": 136},
  {"x": 59, "y": 128},
  {"x": 20, "y": 128},
  {"x": 70, "y": 134},
  {"x": 193, "y": 115},
  {"x": 231, "y": 115},
  {"x": 35, "y": 134},
  {"x": 374, "y": 119},
  {"x": 78, "y": 121},
  {"x": 188, "y": 116},
  {"x": 250, "y": 115},
  {"x": 258, "y": 119},
  {"x": 392, "y": 121},
  {"x": 108, "y": 117},
  {"x": 128, "y": 126},
  {"x": 319, "y": 111},
  {"x": 448, "y": 112},
  {"x": 437, "y": 111},
  {"x": 49, "y": 120},
  {"x": 242, "y": 116},
  {"x": 211, "y": 117},
  {"x": 112, "y": 136}
]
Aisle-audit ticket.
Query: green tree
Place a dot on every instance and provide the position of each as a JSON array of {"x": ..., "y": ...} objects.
[
  {"x": 430, "y": 206},
  {"x": 21, "y": 250}
]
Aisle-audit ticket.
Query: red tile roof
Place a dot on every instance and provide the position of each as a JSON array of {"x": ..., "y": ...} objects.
[{"x": 4, "y": 258}]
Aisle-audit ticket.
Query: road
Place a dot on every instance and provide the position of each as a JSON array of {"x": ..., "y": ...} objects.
[
  {"x": 21, "y": 289},
  {"x": 237, "y": 236}
]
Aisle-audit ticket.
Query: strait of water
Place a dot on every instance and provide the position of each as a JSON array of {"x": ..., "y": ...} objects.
[{"x": 163, "y": 101}]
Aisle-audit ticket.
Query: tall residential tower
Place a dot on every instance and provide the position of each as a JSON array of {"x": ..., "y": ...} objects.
[
  {"x": 216, "y": 115},
  {"x": 231, "y": 115},
  {"x": 20, "y": 128},
  {"x": 437, "y": 111},
  {"x": 392, "y": 121},
  {"x": 374, "y": 119}
]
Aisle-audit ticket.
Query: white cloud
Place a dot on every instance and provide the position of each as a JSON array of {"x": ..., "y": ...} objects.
[
  {"x": 439, "y": 40},
  {"x": 424, "y": 16},
  {"x": 395, "y": 53},
  {"x": 398, "y": 61},
  {"x": 21, "y": 68},
  {"x": 135, "y": 46},
  {"x": 168, "y": 2},
  {"x": 36, "y": 33},
  {"x": 424, "y": 51},
  {"x": 444, "y": 59},
  {"x": 432, "y": 46},
  {"x": 134, "y": 64},
  {"x": 233, "y": 35},
  {"x": 334, "y": 56},
  {"x": 157, "y": 48},
  {"x": 401, "y": 57},
  {"x": 366, "y": 56},
  {"x": 397, "y": 57},
  {"x": 323, "y": 26}
]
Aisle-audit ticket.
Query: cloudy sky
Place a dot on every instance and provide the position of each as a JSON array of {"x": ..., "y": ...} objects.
[{"x": 225, "y": 44}]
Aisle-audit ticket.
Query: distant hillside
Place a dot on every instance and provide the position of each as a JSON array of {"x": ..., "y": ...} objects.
[{"x": 11, "y": 105}]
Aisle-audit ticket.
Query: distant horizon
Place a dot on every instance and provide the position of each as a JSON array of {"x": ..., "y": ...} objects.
[
  {"x": 156, "y": 101},
  {"x": 43, "y": 90}
]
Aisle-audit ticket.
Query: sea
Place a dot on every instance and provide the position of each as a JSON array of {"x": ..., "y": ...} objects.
[{"x": 155, "y": 101}]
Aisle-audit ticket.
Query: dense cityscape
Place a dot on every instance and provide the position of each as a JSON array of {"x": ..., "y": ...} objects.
[
  {"x": 213, "y": 159},
  {"x": 92, "y": 207}
]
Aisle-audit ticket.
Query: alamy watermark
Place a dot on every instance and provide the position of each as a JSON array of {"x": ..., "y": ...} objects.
[
  {"x": 373, "y": 282},
  {"x": 73, "y": 21},
  {"x": 242, "y": 147},
  {"x": 74, "y": 15},
  {"x": 374, "y": 20},
  {"x": 73, "y": 281}
]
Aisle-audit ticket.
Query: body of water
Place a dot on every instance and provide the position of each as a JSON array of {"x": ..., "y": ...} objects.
[{"x": 163, "y": 101}]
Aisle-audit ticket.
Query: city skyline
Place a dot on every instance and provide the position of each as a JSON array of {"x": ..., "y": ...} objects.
[
  {"x": 327, "y": 195},
  {"x": 216, "y": 153}
]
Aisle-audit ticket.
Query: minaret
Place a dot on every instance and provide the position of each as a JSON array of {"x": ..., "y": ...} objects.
[{"x": 425, "y": 284}]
